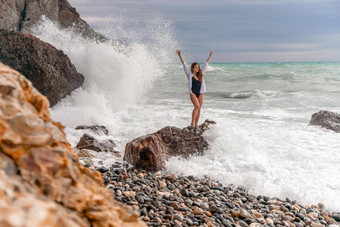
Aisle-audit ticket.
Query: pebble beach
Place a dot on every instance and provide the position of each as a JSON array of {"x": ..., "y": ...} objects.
[{"x": 163, "y": 199}]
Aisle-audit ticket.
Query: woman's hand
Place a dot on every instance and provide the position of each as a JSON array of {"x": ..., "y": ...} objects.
[
  {"x": 178, "y": 51},
  {"x": 211, "y": 52}
]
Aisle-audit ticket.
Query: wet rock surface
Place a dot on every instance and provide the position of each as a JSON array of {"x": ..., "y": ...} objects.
[
  {"x": 326, "y": 119},
  {"x": 151, "y": 151},
  {"x": 42, "y": 182},
  {"x": 49, "y": 69},
  {"x": 163, "y": 199}
]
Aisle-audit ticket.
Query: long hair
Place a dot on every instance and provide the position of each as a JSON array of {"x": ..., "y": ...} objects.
[{"x": 199, "y": 73}]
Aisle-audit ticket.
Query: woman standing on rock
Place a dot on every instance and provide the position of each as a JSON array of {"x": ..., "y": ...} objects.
[{"x": 196, "y": 85}]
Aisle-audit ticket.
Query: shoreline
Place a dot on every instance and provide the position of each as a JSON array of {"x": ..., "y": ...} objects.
[{"x": 163, "y": 199}]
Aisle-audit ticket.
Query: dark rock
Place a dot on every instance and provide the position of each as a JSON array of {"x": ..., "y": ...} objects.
[
  {"x": 90, "y": 143},
  {"x": 336, "y": 216},
  {"x": 184, "y": 192},
  {"x": 103, "y": 169},
  {"x": 266, "y": 198},
  {"x": 151, "y": 151},
  {"x": 98, "y": 129},
  {"x": 326, "y": 119},
  {"x": 50, "y": 70},
  {"x": 215, "y": 209},
  {"x": 171, "y": 187}
]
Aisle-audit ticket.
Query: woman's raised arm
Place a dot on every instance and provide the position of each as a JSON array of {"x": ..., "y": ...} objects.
[
  {"x": 211, "y": 52},
  {"x": 178, "y": 51}
]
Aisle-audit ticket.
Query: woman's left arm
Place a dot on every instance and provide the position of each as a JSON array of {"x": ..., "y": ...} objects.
[
  {"x": 206, "y": 62},
  {"x": 211, "y": 52}
]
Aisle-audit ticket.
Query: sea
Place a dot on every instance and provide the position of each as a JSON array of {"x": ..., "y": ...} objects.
[{"x": 262, "y": 139}]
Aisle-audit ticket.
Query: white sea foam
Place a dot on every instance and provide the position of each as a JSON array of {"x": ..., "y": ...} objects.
[{"x": 271, "y": 158}]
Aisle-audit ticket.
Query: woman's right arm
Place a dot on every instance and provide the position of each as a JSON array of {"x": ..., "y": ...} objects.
[
  {"x": 186, "y": 68},
  {"x": 180, "y": 55}
]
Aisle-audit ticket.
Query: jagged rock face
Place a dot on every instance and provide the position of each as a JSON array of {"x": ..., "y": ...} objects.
[
  {"x": 49, "y": 69},
  {"x": 42, "y": 182},
  {"x": 151, "y": 151},
  {"x": 21, "y": 15},
  {"x": 326, "y": 119}
]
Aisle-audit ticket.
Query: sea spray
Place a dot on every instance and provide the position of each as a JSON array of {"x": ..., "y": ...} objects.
[{"x": 116, "y": 76}]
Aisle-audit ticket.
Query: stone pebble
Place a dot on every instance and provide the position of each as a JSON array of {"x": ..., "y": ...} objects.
[{"x": 163, "y": 199}]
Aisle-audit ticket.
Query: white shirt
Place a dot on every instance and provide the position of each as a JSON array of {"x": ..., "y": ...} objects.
[{"x": 190, "y": 75}]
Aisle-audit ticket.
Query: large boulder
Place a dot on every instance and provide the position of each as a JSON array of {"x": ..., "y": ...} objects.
[
  {"x": 21, "y": 15},
  {"x": 49, "y": 69},
  {"x": 326, "y": 119},
  {"x": 151, "y": 151},
  {"x": 42, "y": 182}
]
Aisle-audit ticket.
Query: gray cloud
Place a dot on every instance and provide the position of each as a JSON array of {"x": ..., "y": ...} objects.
[{"x": 237, "y": 30}]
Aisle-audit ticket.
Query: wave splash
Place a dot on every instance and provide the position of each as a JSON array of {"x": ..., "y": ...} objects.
[{"x": 116, "y": 76}]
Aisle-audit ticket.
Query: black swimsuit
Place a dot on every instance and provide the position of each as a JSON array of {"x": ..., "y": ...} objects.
[{"x": 196, "y": 87}]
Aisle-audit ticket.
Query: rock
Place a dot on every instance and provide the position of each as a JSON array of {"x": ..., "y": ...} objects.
[
  {"x": 98, "y": 129},
  {"x": 150, "y": 152},
  {"x": 49, "y": 69},
  {"x": 197, "y": 211},
  {"x": 243, "y": 224},
  {"x": 312, "y": 215},
  {"x": 235, "y": 213},
  {"x": 162, "y": 184},
  {"x": 129, "y": 193},
  {"x": 215, "y": 209},
  {"x": 178, "y": 217},
  {"x": 316, "y": 225},
  {"x": 336, "y": 216},
  {"x": 43, "y": 182},
  {"x": 19, "y": 15},
  {"x": 183, "y": 142},
  {"x": 85, "y": 154},
  {"x": 244, "y": 214},
  {"x": 157, "y": 220},
  {"x": 90, "y": 143},
  {"x": 188, "y": 221},
  {"x": 326, "y": 119}
]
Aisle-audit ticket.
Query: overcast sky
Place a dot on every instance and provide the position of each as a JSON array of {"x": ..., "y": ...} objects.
[{"x": 236, "y": 30}]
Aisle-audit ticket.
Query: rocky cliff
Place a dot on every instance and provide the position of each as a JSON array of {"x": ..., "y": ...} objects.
[
  {"x": 21, "y": 15},
  {"x": 42, "y": 182}
]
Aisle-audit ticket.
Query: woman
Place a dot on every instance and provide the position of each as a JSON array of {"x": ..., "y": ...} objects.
[{"x": 196, "y": 86}]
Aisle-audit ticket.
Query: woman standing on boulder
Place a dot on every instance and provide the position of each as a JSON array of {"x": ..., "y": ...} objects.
[{"x": 196, "y": 85}]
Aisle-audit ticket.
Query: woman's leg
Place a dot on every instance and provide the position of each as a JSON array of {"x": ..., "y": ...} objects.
[
  {"x": 196, "y": 109},
  {"x": 200, "y": 101}
]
